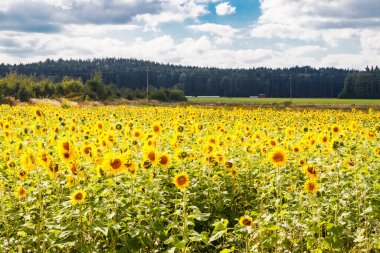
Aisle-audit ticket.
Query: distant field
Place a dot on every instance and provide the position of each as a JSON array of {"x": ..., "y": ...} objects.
[{"x": 298, "y": 101}]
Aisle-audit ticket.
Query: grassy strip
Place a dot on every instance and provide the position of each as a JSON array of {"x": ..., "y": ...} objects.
[{"x": 297, "y": 101}]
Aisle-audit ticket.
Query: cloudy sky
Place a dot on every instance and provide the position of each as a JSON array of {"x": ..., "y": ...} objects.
[{"x": 234, "y": 33}]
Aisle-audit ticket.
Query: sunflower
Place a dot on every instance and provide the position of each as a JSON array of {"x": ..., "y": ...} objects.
[
  {"x": 229, "y": 164},
  {"x": 137, "y": 133},
  {"x": 66, "y": 150},
  {"x": 180, "y": 154},
  {"x": 22, "y": 174},
  {"x": 272, "y": 143},
  {"x": 87, "y": 150},
  {"x": 44, "y": 159},
  {"x": 297, "y": 149},
  {"x": 99, "y": 126},
  {"x": 181, "y": 180},
  {"x": 146, "y": 164},
  {"x": 302, "y": 162},
  {"x": 78, "y": 197},
  {"x": 312, "y": 141},
  {"x": 157, "y": 128},
  {"x": 324, "y": 139},
  {"x": 311, "y": 171},
  {"x": 164, "y": 160},
  {"x": 233, "y": 172},
  {"x": 39, "y": 113},
  {"x": 150, "y": 143},
  {"x": 28, "y": 160},
  {"x": 114, "y": 164},
  {"x": 246, "y": 221},
  {"x": 130, "y": 166},
  {"x": 311, "y": 186},
  {"x": 118, "y": 126},
  {"x": 335, "y": 129},
  {"x": 21, "y": 192},
  {"x": 70, "y": 181},
  {"x": 151, "y": 155},
  {"x": 371, "y": 135},
  {"x": 53, "y": 170},
  {"x": 208, "y": 149},
  {"x": 278, "y": 157}
]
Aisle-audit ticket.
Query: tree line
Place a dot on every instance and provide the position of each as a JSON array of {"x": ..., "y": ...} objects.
[
  {"x": 363, "y": 84},
  {"x": 24, "y": 87},
  {"x": 132, "y": 74}
]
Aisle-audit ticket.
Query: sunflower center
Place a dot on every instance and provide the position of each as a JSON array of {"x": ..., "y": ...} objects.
[
  {"x": 147, "y": 164},
  {"x": 78, "y": 196},
  {"x": 278, "y": 157},
  {"x": 311, "y": 170},
  {"x": 247, "y": 222},
  {"x": 54, "y": 168},
  {"x": 181, "y": 180},
  {"x": 115, "y": 164},
  {"x": 164, "y": 160},
  {"x": 66, "y": 146},
  {"x": 87, "y": 150},
  {"x": 152, "y": 156},
  {"x": 44, "y": 158}
]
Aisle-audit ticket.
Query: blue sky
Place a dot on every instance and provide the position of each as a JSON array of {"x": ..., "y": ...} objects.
[{"x": 235, "y": 33}]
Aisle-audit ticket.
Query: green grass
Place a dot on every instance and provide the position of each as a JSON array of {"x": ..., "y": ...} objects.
[{"x": 298, "y": 101}]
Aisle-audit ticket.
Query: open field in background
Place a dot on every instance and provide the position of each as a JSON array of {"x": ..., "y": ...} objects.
[{"x": 296, "y": 101}]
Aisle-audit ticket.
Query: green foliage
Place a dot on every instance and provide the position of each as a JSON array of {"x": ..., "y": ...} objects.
[
  {"x": 195, "y": 81},
  {"x": 25, "y": 87},
  {"x": 362, "y": 85}
]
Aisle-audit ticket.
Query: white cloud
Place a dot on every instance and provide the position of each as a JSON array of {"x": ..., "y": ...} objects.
[
  {"x": 173, "y": 11},
  {"x": 335, "y": 24},
  {"x": 225, "y": 8},
  {"x": 328, "y": 20},
  {"x": 96, "y": 30},
  {"x": 224, "y": 34},
  {"x": 370, "y": 42}
]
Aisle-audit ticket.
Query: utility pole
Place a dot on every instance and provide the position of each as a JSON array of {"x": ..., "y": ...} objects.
[
  {"x": 290, "y": 88},
  {"x": 147, "y": 84}
]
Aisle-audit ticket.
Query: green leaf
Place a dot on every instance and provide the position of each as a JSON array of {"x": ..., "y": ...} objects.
[
  {"x": 272, "y": 228},
  {"x": 217, "y": 235},
  {"x": 180, "y": 244},
  {"x": 103, "y": 230},
  {"x": 220, "y": 225},
  {"x": 367, "y": 210},
  {"x": 228, "y": 250}
]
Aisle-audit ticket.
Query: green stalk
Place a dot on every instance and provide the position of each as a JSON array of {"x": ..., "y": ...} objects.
[{"x": 184, "y": 217}]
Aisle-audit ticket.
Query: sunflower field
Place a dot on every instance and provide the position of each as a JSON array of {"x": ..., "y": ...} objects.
[{"x": 188, "y": 179}]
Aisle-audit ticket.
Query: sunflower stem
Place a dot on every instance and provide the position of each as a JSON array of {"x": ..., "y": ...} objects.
[
  {"x": 80, "y": 226},
  {"x": 184, "y": 235}
]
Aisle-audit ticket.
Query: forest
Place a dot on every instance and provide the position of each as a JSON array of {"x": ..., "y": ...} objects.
[{"x": 131, "y": 76}]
